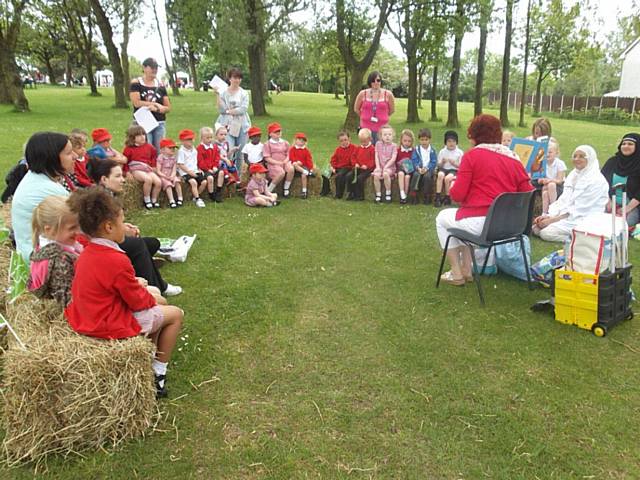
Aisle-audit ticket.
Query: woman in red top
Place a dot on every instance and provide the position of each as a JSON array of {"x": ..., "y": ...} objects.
[{"x": 486, "y": 170}]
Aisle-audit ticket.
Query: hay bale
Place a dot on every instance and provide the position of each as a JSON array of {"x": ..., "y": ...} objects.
[{"x": 67, "y": 393}]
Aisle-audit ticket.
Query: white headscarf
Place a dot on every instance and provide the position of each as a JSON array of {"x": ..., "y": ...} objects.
[{"x": 585, "y": 192}]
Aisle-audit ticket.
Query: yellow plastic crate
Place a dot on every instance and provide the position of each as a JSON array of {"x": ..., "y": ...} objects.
[{"x": 576, "y": 297}]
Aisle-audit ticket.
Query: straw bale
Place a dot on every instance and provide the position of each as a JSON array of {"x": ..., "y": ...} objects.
[
  {"x": 6, "y": 214},
  {"x": 67, "y": 393}
]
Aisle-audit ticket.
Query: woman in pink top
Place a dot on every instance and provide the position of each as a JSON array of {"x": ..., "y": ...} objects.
[
  {"x": 487, "y": 170},
  {"x": 374, "y": 105}
]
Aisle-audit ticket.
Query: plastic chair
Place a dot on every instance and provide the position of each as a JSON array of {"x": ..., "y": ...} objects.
[{"x": 508, "y": 220}]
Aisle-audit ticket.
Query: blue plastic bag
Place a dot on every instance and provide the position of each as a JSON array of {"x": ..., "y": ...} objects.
[
  {"x": 509, "y": 259},
  {"x": 543, "y": 270}
]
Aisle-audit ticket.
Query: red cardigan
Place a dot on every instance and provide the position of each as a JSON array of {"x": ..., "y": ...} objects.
[
  {"x": 343, "y": 157},
  {"x": 145, "y": 153},
  {"x": 482, "y": 176},
  {"x": 365, "y": 156},
  {"x": 208, "y": 158},
  {"x": 105, "y": 293},
  {"x": 80, "y": 171},
  {"x": 302, "y": 155}
]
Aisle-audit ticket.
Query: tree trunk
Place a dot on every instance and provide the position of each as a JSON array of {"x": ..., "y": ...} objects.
[
  {"x": 50, "y": 71},
  {"x": 434, "y": 92},
  {"x": 477, "y": 103},
  {"x": 452, "y": 117},
  {"x": 346, "y": 86},
  {"x": 174, "y": 86},
  {"x": 88, "y": 62},
  {"x": 68, "y": 72},
  {"x": 257, "y": 75},
  {"x": 352, "y": 121},
  {"x": 506, "y": 67},
  {"x": 412, "y": 101},
  {"x": 112, "y": 52},
  {"x": 13, "y": 92},
  {"x": 420, "y": 82},
  {"x": 336, "y": 85},
  {"x": 192, "y": 68},
  {"x": 527, "y": 43},
  {"x": 536, "y": 105},
  {"x": 124, "y": 54}
]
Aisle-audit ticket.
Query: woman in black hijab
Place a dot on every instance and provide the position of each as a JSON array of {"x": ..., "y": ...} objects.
[{"x": 624, "y": 167}]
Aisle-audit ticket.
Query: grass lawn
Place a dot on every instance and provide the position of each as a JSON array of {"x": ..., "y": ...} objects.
[{"x": 331, "y": 353}]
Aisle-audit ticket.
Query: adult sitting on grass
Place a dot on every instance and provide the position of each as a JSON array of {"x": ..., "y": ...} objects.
[
  {"x": 140, "y": 250},
  {"x": 585, "y": 193},
  {"x": 50, "y": 157},
  {"x": 487, "y": 170},
  {"x": 624, "y": 167}
]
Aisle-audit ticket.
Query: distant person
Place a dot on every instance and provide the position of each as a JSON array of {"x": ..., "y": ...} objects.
[
  {"x": 624, "y": 167},
  {"x": 148, "y": 91},
  {"x": 374, "y": 105}
]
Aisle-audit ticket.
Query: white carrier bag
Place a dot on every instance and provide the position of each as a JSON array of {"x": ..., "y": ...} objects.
[{"x": 178, "y": 250}]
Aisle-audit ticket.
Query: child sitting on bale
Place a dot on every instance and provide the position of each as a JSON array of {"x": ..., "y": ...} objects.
[{"x": 107, "y": 301}]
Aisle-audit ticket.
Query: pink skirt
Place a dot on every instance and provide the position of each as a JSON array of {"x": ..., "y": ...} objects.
[
  {"x": 150, "y": 320},
  {"x": 168, "y": 183}
]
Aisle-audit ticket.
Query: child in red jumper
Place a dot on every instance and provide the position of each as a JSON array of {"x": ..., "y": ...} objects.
[
  {"x": 301, "y": 159},
  {"x": 141, "y": 157},
  {"x": 209, "y": 163},
  {"x": 364, "y": 161},
  {"x": 106, "y": 299},
  {"x": 404, "y": 165},
  {"x": 340, "y": 164},
  {"x": 78, "y": 140}
]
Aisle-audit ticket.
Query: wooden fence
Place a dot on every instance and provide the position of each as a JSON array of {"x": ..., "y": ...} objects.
[{"x": 566, "y": 103}]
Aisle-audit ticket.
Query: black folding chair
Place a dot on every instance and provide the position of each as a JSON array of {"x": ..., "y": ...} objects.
[{"x": 508, "y": 220}]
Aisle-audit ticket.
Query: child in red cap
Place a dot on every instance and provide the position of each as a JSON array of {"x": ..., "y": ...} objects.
[
  {"x": 301, "y": 160},
  {"x": 102, "y": 141},
  {"x": 188, "y": 166},
  {"x": 276, "y": 154},
  {"x": 167, "y": 171},
  {"x": 252, "y": 152},
  {"x": 257, "y": 194},
  {"x": 142, "y": 163}
]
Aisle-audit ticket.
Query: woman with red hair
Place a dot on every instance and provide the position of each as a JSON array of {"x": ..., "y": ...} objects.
[{"x": 487, "y": 170}]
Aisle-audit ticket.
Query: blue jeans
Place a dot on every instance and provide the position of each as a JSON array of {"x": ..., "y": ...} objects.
[
  {"x": 155, "y": 135},
  {"x": 239, "y": 142},
  {"x": 374, "y": 137}
]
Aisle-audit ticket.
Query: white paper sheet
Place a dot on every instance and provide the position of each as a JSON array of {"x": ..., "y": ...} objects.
[
  {"x": 220, "y": 84},
  {"x": 145, "y": 119}
]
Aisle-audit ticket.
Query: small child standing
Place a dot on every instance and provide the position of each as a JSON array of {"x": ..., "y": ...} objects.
[
  {"x": 142, "y": 162},
  {"x": 448, "y": 164},
  {"x": 55, "y": 250},
  {"x": 107, "y": 301},
  {"x": 209, "y": 163},
  {"x": 167, "y": 171},
  {"x": 553, "y": 181},
  {"x": 252, "y": 152},
  {"x": 301, "y": 160},
  {"x": 340, "y": 165},
  {"x": 424, "y": 161},
  {"x": 188, "y": 166},
  {"x": 276, "y": 154},
  {"x": 404, "y": 165},
  {"x": 257, "y": 194},
  {"x": 364, "y": 161},
  {"x": 386, "y": 152}
]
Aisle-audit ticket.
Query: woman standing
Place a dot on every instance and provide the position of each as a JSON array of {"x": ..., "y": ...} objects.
[
  {"x": 624, "y": 167},
  {"x": 233, "y": 105},
  {"x": 374, "y": 105},
  {"x": 146, "y": 91}
]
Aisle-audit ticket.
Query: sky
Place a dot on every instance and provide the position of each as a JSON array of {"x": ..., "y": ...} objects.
[{"x": 144, "y": 40}]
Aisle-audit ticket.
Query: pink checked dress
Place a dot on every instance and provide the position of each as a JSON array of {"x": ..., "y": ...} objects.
[
  {"x": 278, "y": 151},
  {"x": 166, "y": 165},
  {"x": 385, "y": 153}
]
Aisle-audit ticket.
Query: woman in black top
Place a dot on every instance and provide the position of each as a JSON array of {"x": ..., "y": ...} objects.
[
  {"x": 146, "y": 91},
  {"x": 624, "y": 167}
]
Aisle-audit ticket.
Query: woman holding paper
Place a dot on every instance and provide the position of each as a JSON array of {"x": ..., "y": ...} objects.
[
  {"x": 147, "y": 92},
  {"x": 233, "y": 105}
]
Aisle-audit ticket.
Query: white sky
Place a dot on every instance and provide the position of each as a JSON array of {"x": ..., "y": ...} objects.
[{"x": 144, "y": 40}]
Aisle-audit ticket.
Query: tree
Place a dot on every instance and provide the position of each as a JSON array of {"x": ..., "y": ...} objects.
[
  {"x": 527, "y": 45},
  {"x": 119, "y": 87},
  {"x": 486, "y": 9},
  {"x": 356, "y": 63},
  {"x": 459, "y": 26},
  {"x": 554, "y": 41},
  {"x": 11, "y": 90},
  {"x": 506, "y": 66},
  {"x": 168, "y": 62}
]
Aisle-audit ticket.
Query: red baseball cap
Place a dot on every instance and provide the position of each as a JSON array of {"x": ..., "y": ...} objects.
[
  {"x": 254, "y": 132},
  {"x": 167, "y": 142},
  {"x": 257, "y": 168},
  {"x": 100, "y": 135},
  {"x": 186, "y": 134},
  {"x": 300, "y": 135},
  {"x": 273, "y": 127}
]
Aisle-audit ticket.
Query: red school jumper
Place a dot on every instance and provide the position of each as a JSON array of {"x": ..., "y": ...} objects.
[
  {"x": 365, "y": 156},
  {"x": 302, "y": 155},
  {"x": 482, "y": 176},
  {"x": 145, "y": 153},
  {"x": 343, "y": 157},
  {"x": 105, "y": 293},
  {"x": 208, "y": 157}
]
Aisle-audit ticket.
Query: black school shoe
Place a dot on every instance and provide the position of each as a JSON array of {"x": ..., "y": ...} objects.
[
  {"x": 218, "y": 196},
  {"x": 161, "y": 386}
]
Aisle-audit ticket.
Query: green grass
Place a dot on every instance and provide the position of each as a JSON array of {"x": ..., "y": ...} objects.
[{"x": 333, "y": 354}]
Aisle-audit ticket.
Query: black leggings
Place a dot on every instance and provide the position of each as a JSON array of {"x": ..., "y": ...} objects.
[{"x": 140, "y": 251}]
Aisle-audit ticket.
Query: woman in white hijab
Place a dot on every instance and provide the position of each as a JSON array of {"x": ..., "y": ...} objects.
[{"x": 585, "y": 192}]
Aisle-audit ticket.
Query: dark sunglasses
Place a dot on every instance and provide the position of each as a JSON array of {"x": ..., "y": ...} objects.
[{"x": 378, "y": 80}]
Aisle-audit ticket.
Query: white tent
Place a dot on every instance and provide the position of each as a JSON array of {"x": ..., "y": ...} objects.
[
  {"x": 104, "y": 78},
  {"x": 629, "y": 84}
]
